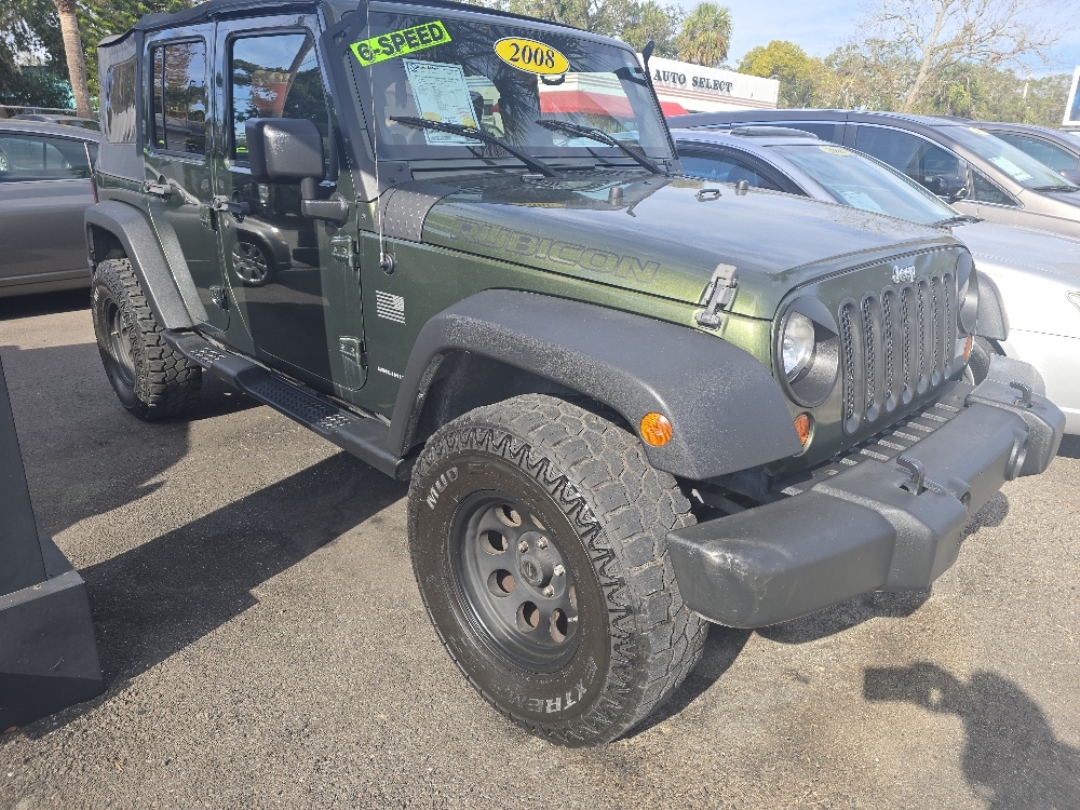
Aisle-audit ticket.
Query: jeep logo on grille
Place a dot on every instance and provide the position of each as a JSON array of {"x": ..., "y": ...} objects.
[{"x": 903, "y": 275}]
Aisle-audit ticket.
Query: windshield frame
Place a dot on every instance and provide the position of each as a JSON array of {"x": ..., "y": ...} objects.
[
  {"x": 973, "y": 139},
  {"x": 945, "y": 211},
  {"x": 460, "y": 156}
]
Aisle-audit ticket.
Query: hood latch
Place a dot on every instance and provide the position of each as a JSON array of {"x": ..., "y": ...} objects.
[{"x": 718, "y": 295}]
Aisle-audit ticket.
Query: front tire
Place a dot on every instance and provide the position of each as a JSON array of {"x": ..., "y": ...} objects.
[
  {"x": 537, "y": 532},
  {"x": 150, "y": 378}
]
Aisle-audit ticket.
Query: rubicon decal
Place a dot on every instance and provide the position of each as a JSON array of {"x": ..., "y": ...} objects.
[{"x": 564, "y": 253}]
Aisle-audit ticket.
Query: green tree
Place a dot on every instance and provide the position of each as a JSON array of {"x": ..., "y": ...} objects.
[
  {"x": 705, "y": 35},
  {"x": 785, "y": 61},
  {"x": 102, "y": 18},
  {"x": 30, "y": 72}
]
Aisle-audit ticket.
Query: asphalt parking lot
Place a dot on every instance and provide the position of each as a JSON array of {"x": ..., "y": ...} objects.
[{"x": 265, "y": 645}]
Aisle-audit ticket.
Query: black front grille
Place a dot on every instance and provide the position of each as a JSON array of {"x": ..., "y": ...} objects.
[{"x": 896, "y": 345}]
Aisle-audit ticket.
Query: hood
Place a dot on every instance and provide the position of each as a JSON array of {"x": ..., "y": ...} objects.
[
  {"x": 665, "y": 236},
  {"x": 1000, "y": 248}
]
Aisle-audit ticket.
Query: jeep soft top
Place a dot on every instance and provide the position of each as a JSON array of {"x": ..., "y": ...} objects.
[{"x": 456, "y": 243}]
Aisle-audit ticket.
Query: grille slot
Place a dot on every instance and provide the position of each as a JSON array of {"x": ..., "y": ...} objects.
[{"x": 896, "y": 345}]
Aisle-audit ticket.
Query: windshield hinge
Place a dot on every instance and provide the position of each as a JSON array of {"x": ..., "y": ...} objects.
[
  {"x": 343, "y": 248},
  {"x": 718, "y": 295}
]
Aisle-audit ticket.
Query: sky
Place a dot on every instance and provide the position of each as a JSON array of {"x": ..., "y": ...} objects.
[{"x": 822, "y": 25}]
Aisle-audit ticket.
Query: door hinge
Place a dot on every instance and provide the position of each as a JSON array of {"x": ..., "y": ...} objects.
[
  {"x": 343, "y": 248},
  {"x": 355, "y": 361},
  {"x": 718, "y": 295}
]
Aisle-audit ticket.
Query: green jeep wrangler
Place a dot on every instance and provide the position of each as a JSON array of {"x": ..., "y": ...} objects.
[{"x": 456, "y": 243}]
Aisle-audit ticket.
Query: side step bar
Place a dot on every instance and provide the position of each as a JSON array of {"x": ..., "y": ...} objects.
[{"x": 363, "y": 437}]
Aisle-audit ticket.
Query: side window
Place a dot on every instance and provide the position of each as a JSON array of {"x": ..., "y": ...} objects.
[
  {"x": 274, "y": 77},
  {"x": 119, "y": 106},
  {"x": 984, "y": 190},
  {"x": 39, "y": 157},
  {"x": 178, "y": 75},
  {"x": 1053, "y": 156},
  {"x": 724, "y": 167},
  {"x": 915, "y": 156}
]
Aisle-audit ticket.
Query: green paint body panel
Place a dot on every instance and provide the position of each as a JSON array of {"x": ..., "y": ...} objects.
[{"x": 613, "y": 235}]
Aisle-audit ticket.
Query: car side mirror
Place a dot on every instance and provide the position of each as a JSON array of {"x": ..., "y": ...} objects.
[
  {"x": 290, "y": 150},
  {"x": 950, "y": 187}
]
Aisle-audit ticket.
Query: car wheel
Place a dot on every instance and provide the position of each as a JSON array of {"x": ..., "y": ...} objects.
[
  {"x": 251, "y": 264},
  {"x": 537, "y": 531},
  {"x": 151, "y": 379}
]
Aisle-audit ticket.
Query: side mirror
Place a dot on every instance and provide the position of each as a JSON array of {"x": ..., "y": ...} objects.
[
  {"x": 289, "y": 150},
  {"x": 284, "y": 150},
  {"x": 950, "y": 187}
]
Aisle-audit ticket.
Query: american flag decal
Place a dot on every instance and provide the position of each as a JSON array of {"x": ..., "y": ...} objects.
[{"x": 390, "y": 306}]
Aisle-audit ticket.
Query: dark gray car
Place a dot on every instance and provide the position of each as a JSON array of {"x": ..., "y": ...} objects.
[
  {"x": 44, "y": 188},
  {"x": 1057, "y": 149},
  {"x": 978, "y": 173}
]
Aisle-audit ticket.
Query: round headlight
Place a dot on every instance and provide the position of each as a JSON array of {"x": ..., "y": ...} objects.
[{"x": 797, "y": 345}]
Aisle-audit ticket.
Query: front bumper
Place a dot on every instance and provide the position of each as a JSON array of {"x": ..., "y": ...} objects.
[{"x": 870, "y": 527}]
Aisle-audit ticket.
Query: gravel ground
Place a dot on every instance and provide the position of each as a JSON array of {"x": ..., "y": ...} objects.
[{"x": 265, "y": 646}]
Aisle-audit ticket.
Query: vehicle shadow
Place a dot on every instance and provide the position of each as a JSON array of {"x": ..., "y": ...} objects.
[
  {"x": 722, "y": 647},
  {"x": 1070, "y": 447},
  {"x": 153, "y": 601},
  {"x": 1012, "y": 759},
  {"x": 84, "y": 454},
  {"x": 29, "y": 306}
]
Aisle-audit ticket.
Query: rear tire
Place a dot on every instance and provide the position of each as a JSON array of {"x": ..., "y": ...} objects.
[
  {"x": 150, "y": 378},
  {"x": 537, "y": 531}
]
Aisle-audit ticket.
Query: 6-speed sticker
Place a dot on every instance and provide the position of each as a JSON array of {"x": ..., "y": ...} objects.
[
  {"x": 531, "y": 56},
  {"x": 400, "y": 43}
]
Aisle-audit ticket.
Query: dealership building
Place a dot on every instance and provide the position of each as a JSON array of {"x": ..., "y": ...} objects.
[{"x": 683, "y": 87}]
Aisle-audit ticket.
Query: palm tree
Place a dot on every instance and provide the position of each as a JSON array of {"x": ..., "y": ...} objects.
[
  {"x": 73, "y": 50},
  {"x": 705, "y": 35}
]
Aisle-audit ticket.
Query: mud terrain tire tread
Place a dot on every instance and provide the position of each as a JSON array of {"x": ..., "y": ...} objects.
[
  {"x": 166, "y": 382},
  {"x": 622, "y": 509}
]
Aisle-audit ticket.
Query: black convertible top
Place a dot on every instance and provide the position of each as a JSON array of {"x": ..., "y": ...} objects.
[{"x": 214, "y": 9}]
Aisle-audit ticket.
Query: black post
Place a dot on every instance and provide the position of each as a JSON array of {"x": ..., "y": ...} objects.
[{"x": 48, "y": 657}]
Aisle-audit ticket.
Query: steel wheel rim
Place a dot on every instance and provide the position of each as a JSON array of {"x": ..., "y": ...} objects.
[
  {"x": 118, "y": 339},
  {"x": 250, "y": 263},
  {"x": 514, "y": 582}
]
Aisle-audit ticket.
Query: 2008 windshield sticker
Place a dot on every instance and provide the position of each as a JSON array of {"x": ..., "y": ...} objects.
[
  {"x": 531, "y": 56},
  {"x": 369, "y": 52}
]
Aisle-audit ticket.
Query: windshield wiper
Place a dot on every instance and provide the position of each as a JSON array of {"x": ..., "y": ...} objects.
[
  {"x": 1063, "y": 187},
  {"x": 478, "y": 134},
  {"x": 597, "y": 135},
  {"x": 959, "y": 219}
]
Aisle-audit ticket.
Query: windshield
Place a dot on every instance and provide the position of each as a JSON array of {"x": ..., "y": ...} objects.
[
  {"x": 862, "y": 182},
  {"x": 1021, "y": 167},
  {"x": 502, "y": 78}
]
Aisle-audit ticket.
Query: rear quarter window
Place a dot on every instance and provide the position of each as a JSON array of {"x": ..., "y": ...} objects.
[{"x": 119, "y": 107}]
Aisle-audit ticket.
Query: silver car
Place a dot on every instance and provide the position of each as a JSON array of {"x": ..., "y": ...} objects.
[
  {"x": 1037, "y": 273},
  {"x": 977, "y": 172},
  {"x": 44, "y": 189}
]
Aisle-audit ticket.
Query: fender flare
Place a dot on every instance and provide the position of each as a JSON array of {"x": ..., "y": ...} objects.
[
  {"x": 726, "y": 410},
  {"x": 991, "y": 318},
  {"x": 141, "y": 245}
]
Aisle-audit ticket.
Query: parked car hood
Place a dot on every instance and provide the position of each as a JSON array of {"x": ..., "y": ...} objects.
[{"x": 664, "y": 236}]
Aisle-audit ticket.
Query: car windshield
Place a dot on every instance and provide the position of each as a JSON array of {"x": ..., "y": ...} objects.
[
  {"x": 860, "y": 181},
  {"x": 1018, "y": 165},
  {"x": 502, "y": 77}
]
